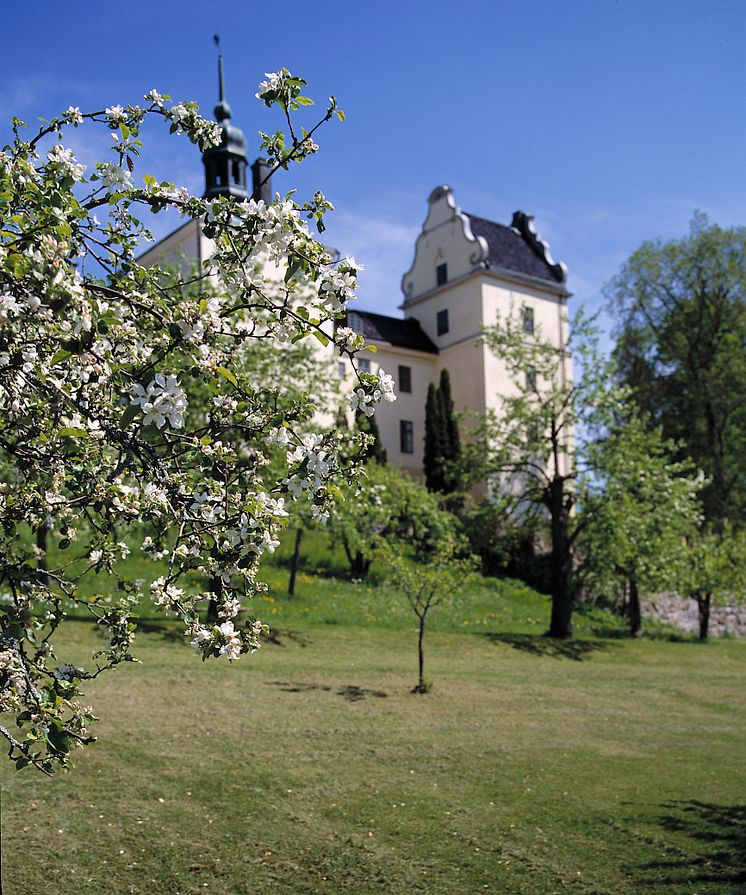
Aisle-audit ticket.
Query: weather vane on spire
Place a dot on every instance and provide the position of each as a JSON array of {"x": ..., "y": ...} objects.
[{"x": 225, "y": 109}]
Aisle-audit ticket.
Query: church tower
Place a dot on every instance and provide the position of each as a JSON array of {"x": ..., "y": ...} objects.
[{"x": 225, "y": 164}]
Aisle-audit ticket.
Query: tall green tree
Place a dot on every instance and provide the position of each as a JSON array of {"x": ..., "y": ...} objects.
[
  {"x": 680, "y": 308},
  {"x": 442, "y": 439}
]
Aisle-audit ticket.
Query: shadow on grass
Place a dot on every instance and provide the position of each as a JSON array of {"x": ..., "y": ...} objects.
[
  {"x": 350, "y": 692},
  {"x": 667, "y": 635},
  {"x": 720, "y": 831},
  {"x": 539, "y": 645},
  {"x": 275, "y": 637},
  {"x": 172, "y": 631}
]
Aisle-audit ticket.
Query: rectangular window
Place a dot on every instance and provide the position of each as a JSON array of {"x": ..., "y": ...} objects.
[
  {"x": 441, "y": 274},
  {"x": 406, "y": 436},
  {"x": 531, "y": 380},
  {"x": 341, "y": 371},
  {"x": 442, "y": 322},
  {"x": 405, "y": 379},
  {"x": 528, "y": 321},
  {"x": 363, "y": 365}
]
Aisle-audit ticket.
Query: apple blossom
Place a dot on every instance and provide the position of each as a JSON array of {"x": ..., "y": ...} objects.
[{"x": 138, "y": 406}]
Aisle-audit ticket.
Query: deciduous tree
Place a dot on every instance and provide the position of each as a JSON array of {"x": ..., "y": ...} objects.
[
  {"x": 680, "y": 308},
  {"x": 640, "y": 507},
  {"x": 533, "y": 448}
]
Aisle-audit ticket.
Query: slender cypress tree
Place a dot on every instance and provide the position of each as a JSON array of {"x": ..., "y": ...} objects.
[
  {"x": 451, "y": 439},
  {"x": 376, "y": 450},
  {"x": 434, "y": 441},
  {"x": 442, "y": 441}
]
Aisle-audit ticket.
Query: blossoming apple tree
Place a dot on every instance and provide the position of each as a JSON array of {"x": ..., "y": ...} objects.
[{"x": 127, "y": 420}]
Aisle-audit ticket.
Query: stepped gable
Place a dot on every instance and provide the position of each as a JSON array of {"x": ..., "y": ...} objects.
[
  {"x": 394, "y": 330},
  {"x": 517, "y": 248}
]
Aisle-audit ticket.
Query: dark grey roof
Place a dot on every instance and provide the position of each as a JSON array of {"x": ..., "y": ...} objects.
[
  {"x": 512, "y": 250},
  {"x": 394, "y": 330}
]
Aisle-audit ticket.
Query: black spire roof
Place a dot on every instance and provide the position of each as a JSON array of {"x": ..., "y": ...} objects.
[{"x": 225, "y": 165}]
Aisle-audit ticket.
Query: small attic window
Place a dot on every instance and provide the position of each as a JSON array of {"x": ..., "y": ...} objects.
[{"x": 441, "y": 274}]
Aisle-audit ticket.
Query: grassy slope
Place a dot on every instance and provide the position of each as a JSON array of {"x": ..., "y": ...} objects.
[{"x": 602, "y": 766}]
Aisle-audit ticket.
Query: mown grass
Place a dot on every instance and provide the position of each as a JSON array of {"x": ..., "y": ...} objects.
[{"x": 599, "y": 766}]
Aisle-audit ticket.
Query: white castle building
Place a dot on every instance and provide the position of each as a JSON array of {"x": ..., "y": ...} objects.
[{"x": 466, "y": 273}]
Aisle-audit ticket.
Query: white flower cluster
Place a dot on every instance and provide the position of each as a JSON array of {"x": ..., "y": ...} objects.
[
  {"x": 74, "y": 115},
  {"x": 348, "y": 340},
  {"x": 65, "y": 162},
  {"x": 165, "y": 594},
  {"x": 116, "y": 114},
  {"x": 366, "y": 400},
  {"x": 274, "y": 85},
  {"x": 224, "y": 639},
  {"x": 115, "y": 177},
  {"x": 313, "y": 463},
  {"x": 187, "y": 119},
  {"x": 164, "y": 401},
  {"x": 339, "y": 283}
]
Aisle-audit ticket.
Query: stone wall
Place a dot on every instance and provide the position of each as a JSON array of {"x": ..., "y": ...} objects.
[{"x": 684, "y": 614}]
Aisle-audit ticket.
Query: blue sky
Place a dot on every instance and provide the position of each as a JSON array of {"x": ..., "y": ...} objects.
[{"x": 611, "y": 122}]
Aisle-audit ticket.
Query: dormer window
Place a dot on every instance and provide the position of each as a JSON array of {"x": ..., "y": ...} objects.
[
  {"x": 441, "y": 274},
  {"x": 528, "y": 321},
  {"x": 355, "y": 322},
  {"x": 442, "y": 322}
]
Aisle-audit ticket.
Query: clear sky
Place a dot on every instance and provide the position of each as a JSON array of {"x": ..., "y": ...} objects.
[{"x": 611, "y": 122}]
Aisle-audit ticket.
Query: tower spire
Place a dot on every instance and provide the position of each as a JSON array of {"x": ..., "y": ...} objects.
[
  {"x": 222, "y": 110},
  {"x": 225, "y": 165}
]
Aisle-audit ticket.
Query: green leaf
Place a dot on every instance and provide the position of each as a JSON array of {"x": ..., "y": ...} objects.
[
  {"x": 321, "y": 337},
  {"x": 59, "y": 740},
  {"x": 226, "y": 374},
  {"x": 73, "y": 432},
  {"x": 21, "y": 763},
  {"x": 129, "y": 414},
  {"x": 59, "y": 356},
  {"x": 304, "y": 101}
]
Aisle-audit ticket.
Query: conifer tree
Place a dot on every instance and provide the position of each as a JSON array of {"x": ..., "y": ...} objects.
[
  {"x": 451, "y": 438},
  {"x": 369, "y": 426},
  {"x": 442, "y": 442},
  {"x": 434, "y": 441}
]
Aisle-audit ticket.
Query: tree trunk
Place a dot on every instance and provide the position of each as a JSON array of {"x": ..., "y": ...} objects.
[
  {"x": 41, "y": 563},
  {"x": 359, "y": 565},
  {"x": 703, "y": 603},
  {"x": 560, "y": 625},
  {"x": 634, "y": 611},
  {"x": 216, "y": 587},
  {"x": 421, "y": 688},
  {"x": 295, "y": 561}
]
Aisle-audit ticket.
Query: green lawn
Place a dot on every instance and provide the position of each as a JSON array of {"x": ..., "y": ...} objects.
[{"x": 599, "y": 766}]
